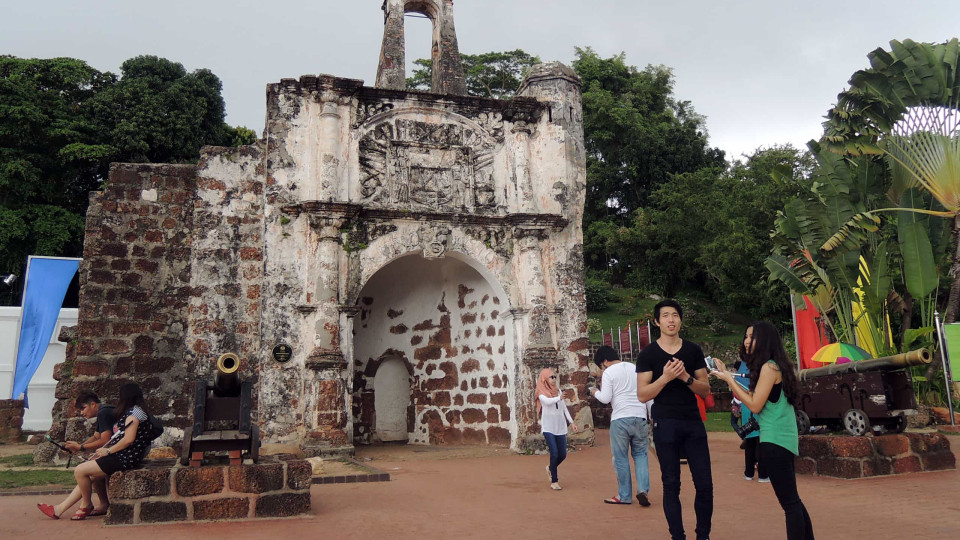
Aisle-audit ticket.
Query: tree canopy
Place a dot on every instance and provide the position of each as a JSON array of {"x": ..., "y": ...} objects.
[
  {"x": 63, "y": 122},
  {"x": 494, "y": 75}
]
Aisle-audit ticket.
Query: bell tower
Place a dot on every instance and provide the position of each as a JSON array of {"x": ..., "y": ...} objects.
[{"x": 447, "y": 67}]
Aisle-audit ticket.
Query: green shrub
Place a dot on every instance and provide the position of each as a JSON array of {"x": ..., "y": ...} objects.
[{"x": 598, "y": 295}]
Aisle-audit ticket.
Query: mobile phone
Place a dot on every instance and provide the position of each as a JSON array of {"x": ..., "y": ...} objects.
[{"x": 711, "y": 363}]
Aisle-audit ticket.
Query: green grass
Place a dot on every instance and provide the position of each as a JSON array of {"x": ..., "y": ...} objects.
[
  {"x": 719, "y": 421},
  {"x": 38, "y": 477},
  {"x": 19, "y": 460}
]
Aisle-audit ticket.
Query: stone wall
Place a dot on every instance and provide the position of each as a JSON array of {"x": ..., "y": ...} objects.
[
  {"x": 157, "y": 494},
  {"x": 844, "y": 456},
  {"x": 11, "y": 420},
  {"x": 135, "y": 287}
]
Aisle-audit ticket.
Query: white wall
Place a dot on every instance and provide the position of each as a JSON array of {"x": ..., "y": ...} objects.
[{"x": 42, "y": 385}]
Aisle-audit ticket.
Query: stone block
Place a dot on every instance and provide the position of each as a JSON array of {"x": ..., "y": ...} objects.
[
  {"x": 907, "y": 464},
  {"x": 498, "y": 436},
  {"x": 939, "y": 461},
  {"x": 815, "y": 446},
  {"x": 851, "y": 447},
  {"x": 140, "y": 483},
  {"x": 878, "y": 466},
  {"x": 891, "y": 445},
  {"x": 119, "y": 514},
  {"x": 162, "y": 512},
  {"x": 474, "y": 436},
  {"x": 259, "y": 478},
  {"x": 804, "y": 465},
  {"x": 283, "y": 505},
  {"x": 232, "y": 508},
  {"x": 840, "y": 468},
  {"x": 194, "y": 481},
  {"x": 299, "y": 474}
]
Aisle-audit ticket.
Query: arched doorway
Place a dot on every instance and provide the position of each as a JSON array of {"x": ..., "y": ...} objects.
[{"x": 442, "y": 326}]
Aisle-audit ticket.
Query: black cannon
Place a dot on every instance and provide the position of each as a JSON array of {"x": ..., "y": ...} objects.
[
  {"x": 221, "y": 417},
  {"x": 860, "y": 395}
]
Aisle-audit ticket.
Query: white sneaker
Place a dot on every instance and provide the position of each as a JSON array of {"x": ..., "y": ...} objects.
[
  {"x": 748, "y": 478},
  {"x": 764, "y": 480}
]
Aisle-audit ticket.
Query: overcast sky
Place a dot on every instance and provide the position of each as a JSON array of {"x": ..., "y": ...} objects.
[{"x": 763, "y": 72}]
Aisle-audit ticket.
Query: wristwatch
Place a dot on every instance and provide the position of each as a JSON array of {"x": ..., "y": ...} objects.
[{"x": 690, "y": 381}]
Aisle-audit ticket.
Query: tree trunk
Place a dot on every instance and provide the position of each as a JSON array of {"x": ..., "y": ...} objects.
[{"x": 953, "y": 301}]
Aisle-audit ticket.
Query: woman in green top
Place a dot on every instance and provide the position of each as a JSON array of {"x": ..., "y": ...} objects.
[{"x": 773, "y": 392}]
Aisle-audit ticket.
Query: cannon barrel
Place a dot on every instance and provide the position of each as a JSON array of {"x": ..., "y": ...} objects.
[
  {"x": 918, "y": 357},
  {"x": 226, "y": 382}
]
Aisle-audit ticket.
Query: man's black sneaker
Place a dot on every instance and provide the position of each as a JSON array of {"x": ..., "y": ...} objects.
[{"x": 642, "y": 499}]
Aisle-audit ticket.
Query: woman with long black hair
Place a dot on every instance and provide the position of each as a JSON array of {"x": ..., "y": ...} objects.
[
  {"x": 774, "y": 389},
  {"x": 126, "y": 448}
]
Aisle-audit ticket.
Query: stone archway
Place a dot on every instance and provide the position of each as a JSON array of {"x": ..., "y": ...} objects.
[{"x": 451, "y": 326}]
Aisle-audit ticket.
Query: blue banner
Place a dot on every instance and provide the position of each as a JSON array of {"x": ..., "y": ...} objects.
[{"x": 47, "y": 283}]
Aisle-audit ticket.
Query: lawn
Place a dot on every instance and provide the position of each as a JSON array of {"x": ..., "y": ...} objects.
[
  {"x": 718, "y": 421},
  {"x": 15, "y": 474}
]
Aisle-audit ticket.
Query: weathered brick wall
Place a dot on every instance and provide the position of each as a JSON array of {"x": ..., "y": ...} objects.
[
  {"x": 157, "y": 494},
  {"x": 134, "y": 281},
  {"x": 227, "y": 262},
  {"x": 11, "y": 420},
  {"x": 843, "y": 456}
]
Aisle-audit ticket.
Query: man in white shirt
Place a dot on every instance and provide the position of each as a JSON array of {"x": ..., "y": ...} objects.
[{"x": 628, "y": 424}]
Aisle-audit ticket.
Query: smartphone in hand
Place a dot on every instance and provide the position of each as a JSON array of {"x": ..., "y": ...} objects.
[{"x": 711, "y": 363}]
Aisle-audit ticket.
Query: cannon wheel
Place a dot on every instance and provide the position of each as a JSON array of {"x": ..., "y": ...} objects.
[
  {"x": 803, "y": 422},
  {"x": 185, "y": 450},
  {"x": 856, "y": 422}
]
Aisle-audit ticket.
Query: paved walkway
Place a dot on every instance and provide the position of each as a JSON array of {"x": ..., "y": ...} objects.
[{"x": 502, "y": 495}]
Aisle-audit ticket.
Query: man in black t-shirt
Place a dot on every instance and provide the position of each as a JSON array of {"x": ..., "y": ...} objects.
[
  {"x": 664, "y": 371},
  {"x": 88, "y": 405}
]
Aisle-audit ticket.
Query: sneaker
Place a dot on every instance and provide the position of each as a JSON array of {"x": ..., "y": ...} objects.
[
  {"x": 555, "y": 486},
  {"x": 748, "y": 478},
  {"x": 642, "y": 499},
  {"x": 764, "y": 480}
]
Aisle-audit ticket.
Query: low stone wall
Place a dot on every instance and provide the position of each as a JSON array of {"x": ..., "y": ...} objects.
[
  {"x": 843, "y": 456},
  {"x": 162, "y": 492},
  {"x": 11, "y": 420}
]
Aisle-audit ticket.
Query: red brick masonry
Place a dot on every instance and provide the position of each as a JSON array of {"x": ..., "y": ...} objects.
[
  {"x": 11, "y": 420},
  {"x": 843, "y": 456},
  {"x": 165, "y": 493}
]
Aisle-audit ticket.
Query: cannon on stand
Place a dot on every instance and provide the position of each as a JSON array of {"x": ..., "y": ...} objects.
[
  {"x": 221, "y": 417},
  {"x": 860, "y": 395}
]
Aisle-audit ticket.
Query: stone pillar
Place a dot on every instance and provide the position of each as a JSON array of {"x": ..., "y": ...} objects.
[
  {"x": 328, "y": 183},
  {"x": 448, "y": 75},
  {"x": 326, "y": 412},
  {"x": 526, "y": 200},
  {"x": 391, "y": 72},
  {"x": 11, "y": 421}
]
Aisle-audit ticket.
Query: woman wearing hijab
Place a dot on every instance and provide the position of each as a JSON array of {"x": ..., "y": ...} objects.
[{"x": 553, "y": 421}]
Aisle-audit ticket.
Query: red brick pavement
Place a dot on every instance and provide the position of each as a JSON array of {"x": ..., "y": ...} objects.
[{"x": 506, "y": 496}]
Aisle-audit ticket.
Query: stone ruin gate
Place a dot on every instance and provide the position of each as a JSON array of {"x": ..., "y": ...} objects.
[{"x": 419, "y": 252}]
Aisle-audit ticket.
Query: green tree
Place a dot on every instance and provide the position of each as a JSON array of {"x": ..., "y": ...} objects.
[
  {"x": 495, "y": 75},
  {"x": 63, "y": 122}
]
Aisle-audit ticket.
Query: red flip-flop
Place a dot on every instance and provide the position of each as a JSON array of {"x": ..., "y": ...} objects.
[
  {"x": 614, "y": 500},
  {"x": 95, "y": 512},
  {"x": 48, "y": 511},
  {"x": 81, "y": 514}
]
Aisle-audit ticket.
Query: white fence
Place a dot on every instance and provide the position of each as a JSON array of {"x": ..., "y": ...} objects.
[{"x": 42, "y": 386}]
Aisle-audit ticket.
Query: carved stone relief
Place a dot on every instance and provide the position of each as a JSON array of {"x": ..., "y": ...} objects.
[
  {"x": 445, "y": 166},
  {"x": 434, "y": 238}
]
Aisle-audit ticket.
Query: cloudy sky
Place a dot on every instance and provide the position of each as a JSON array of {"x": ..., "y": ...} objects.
[{"x": 763, "y": 72}]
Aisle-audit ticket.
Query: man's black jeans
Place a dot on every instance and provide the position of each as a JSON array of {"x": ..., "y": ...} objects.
[
  {"x": 780, "y": 466},
  {"x": 670, "y": 436}
]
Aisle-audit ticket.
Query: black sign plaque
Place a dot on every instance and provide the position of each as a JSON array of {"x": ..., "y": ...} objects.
[{"x": 282, "y": 353}]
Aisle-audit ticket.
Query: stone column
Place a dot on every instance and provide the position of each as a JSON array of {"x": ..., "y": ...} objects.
[
  {"x": 326, "y": 413},
  {"x": 328, "y": 183},
  {"x": 391, "y": 72},
  {"x": 526, "y": 203},
  {"x": 448, "y": 75}
]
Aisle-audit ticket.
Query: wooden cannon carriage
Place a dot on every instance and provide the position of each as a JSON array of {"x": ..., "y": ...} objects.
[
  {"x": 221, "y": 417},
  {"x": 860, "y": 395}
]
